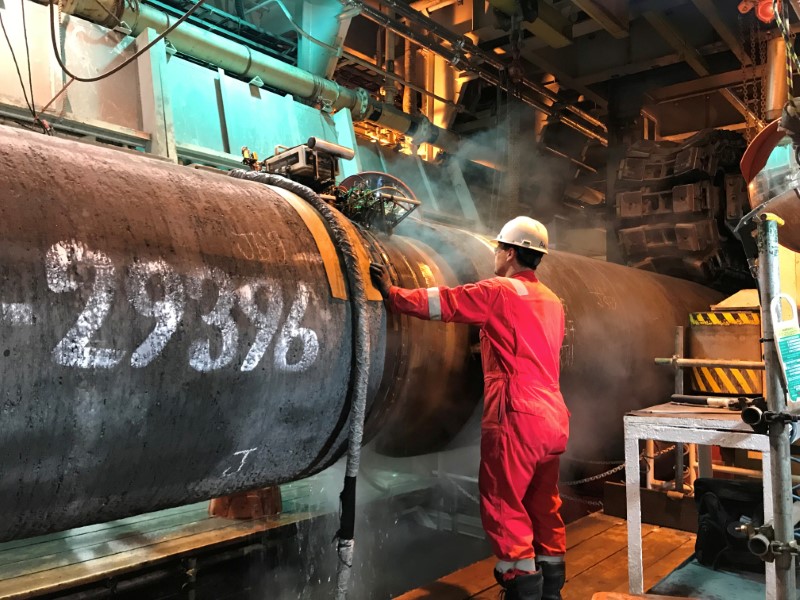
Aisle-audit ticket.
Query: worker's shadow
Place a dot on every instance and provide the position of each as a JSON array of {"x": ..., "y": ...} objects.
[{"x": 442, "y": 591}]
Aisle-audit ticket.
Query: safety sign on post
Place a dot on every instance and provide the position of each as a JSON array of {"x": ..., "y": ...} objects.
[{"x": 787, "y": 341}]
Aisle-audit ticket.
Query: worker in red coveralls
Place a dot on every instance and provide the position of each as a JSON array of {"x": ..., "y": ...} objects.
[{"x": 525, "y": 422}]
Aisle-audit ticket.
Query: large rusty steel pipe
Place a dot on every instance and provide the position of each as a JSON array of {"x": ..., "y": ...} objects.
[
  {"x": 618, "y": 319},
  {"x": 170, "y": 335}
]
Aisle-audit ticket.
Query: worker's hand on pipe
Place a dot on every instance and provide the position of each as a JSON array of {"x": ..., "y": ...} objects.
[{"x": 380, "y": 277}]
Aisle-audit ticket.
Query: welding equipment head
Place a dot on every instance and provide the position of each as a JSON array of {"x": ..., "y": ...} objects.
[{"x": 525, "y": 233}]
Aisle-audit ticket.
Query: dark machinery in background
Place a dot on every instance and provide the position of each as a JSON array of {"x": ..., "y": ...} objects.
[
  {"x": 677, "y": 206},
  {"x": 171, "y": 335}
]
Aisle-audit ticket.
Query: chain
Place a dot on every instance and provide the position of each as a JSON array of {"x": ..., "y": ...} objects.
[
  {"x": 748, "y": 81},
  {"x": 762, "y": 93},
  {"x": 657, "y": 454},
  {"x": 617, "y": 469},
  {"x": 582, "y": 500},
  {"x": 603, "y": 475},
  {"x": 592, "y": 462}
]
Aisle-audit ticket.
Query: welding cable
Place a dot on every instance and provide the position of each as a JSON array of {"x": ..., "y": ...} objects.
[
  {"x": 124, "y": 63},
  {"x": 361, "y": 363},
  {"x": 16, "y": 64}
]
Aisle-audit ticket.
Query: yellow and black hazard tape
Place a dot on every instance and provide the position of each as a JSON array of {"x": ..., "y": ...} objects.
[
  {"x": 725, "y": 318},
  {"x": 725, "y": 380}
]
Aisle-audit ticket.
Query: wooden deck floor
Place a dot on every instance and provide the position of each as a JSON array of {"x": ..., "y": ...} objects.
[
  {"x": 50, "y": 563},
  {"x": 596, "y": 562},
  {"x": 596, "y": 559}
]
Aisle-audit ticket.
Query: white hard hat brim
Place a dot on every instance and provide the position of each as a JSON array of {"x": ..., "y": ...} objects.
[{"x": 540, "y": 250}]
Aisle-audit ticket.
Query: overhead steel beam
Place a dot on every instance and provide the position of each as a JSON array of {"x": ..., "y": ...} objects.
[
  {"x": 795, "y": 4},
  {"x": 612, "y": 15},
  {"x": 632, "y": 68},
  {"x": 710, "y": 12},
  {"x": 687, "y": 134},
  {"x": 564, "y": 78},
  {"x": 694, "y": 59},
  {"x": 705, "y": 85},
  {"x": 548, "y": 25}
]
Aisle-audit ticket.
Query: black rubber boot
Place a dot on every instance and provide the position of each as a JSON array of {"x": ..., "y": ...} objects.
[
  {"x": 524, "y": 587},
  {"x": 554, "y": 574}
]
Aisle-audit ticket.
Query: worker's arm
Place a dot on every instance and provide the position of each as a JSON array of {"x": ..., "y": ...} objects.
[{"x": 469, "y": 303}]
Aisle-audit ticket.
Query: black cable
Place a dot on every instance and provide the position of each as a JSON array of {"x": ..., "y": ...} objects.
[
  {"x": 28, "y": 55},
  {"x": 358, "y": 399},
  {"x": 16, "y": 64},
  {"x": 126, "y": 62}
]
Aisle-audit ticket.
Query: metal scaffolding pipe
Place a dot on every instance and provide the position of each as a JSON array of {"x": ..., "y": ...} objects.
[{"x": 780, "y": 456}]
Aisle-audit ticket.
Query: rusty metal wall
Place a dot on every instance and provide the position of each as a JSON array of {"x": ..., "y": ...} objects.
[{"x": 169, "y": 335}]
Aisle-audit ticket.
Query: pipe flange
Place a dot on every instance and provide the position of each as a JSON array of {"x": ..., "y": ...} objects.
[{"x": 362, "y": 108}]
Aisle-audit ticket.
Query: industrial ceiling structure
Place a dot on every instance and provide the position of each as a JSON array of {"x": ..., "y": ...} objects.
[{"x": 687, "y": 64}]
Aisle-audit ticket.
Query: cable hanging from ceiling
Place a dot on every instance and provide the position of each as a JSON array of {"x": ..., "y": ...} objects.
[{"x": 124, "y": 63}]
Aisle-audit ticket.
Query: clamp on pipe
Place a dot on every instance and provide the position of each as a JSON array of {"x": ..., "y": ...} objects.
[
  {"x": 761, "y": 542},
  {"x": 326, "y": 93},
  {"x": 760, "y": 419}
]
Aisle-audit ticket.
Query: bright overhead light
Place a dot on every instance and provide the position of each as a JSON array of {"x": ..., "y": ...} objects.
[{"x": 500, "y": 50}]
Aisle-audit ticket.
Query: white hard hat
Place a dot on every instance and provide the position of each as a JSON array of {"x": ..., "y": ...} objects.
[{"x": 525, "y": 233}]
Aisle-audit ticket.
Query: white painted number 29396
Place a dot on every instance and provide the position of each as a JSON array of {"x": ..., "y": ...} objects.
[{"x": 156, "y": 291}]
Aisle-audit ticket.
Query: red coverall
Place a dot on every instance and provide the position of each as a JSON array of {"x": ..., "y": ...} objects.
[{"x": 525, "y": 422}]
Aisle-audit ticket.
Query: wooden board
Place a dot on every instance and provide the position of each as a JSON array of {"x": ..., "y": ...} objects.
[
  {"x": 29, "y": 568},
  {"x": 596, "y": 561}
]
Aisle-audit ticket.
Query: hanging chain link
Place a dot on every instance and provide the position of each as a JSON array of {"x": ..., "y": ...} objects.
[
  {"x": 597, "y": 503},
  {"x": 592, "y": 462},
  {"x": 749, "y": 91},
  {"x": 762, "y": 88},
  {"x": 597, "y": 477},
  {"x": 617, "y": 469}
]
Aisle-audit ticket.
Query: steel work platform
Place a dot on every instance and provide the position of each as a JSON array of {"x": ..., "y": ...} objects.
[{"x": 597, "y": 560}]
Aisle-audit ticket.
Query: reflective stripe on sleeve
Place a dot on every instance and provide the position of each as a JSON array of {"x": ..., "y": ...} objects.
[
  {"x": 434, "y": 304},
  {"x": 519, "y": 286}
]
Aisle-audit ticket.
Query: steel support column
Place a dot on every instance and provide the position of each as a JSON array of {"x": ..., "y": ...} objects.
[{"x": 780, "y": 454}]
